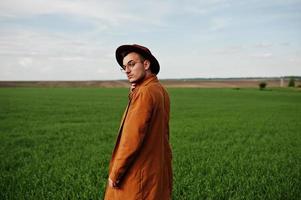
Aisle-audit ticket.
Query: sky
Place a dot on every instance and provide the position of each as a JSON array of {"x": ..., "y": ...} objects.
[{"x": 77, "y": 39}]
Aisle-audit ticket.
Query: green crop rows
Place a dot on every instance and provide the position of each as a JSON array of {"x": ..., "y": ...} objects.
[{"x": 55, "y": 143}]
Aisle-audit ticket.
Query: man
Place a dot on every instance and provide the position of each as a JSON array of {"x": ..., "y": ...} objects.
[{"x": 140, "y": 167}]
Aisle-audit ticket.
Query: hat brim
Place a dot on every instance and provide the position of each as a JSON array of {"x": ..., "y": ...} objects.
[{"x": 155, "y": 66}]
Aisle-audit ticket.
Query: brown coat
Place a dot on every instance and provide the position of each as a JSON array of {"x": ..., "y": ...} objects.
[{"x": 141, "y": 159}]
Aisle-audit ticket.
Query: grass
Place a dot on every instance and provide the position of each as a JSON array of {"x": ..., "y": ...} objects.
[{"x": 56, "y": 143}]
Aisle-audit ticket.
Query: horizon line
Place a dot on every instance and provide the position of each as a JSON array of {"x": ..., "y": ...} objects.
[{"x": 194, "y": 78}]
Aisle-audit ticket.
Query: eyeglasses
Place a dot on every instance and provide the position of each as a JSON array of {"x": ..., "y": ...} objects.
[{"x": 131, "y": 64}]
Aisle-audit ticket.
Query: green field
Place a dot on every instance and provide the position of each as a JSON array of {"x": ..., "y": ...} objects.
[{"x": 56, "y": 143}]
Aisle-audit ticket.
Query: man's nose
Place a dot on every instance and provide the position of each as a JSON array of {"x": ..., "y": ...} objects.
[{"x": 127, "y": 70}]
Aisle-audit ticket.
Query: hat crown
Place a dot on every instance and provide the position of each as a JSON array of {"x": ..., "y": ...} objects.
[{"x": 142, "y": 48}]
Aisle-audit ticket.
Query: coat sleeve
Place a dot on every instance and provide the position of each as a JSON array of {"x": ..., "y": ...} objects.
[{"x": 133, "y": 134}]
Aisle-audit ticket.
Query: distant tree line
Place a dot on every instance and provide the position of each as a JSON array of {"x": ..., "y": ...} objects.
[{"x": 291, "y": 83}]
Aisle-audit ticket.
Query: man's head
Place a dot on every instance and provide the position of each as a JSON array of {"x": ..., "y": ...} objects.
[
  {"x": 137, "y": 61},
  {"x": 136, "y": 67}
]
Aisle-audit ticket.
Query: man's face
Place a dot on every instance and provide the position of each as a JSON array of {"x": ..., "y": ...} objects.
[{"x": 134, "y": 67}]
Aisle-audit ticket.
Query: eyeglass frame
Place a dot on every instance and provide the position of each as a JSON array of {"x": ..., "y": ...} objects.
[{"x": 130, "y": 65}]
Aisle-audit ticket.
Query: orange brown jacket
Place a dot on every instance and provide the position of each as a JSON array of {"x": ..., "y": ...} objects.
[{"x": 141, "y": 159}]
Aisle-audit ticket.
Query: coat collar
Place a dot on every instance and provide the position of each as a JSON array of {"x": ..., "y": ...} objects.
[{"x": 146, "y": 81}]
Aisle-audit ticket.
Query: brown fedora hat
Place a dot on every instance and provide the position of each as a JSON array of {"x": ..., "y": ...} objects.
[{"x": 145, "y": 52}]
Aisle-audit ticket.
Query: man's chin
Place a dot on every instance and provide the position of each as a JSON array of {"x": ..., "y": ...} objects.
[
  {"x": 135, "y": 80},
  {"x": 132, "y": 80}
]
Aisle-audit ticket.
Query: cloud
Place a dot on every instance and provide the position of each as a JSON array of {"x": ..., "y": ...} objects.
[
  {"x": 220, "y": 23},
  {"x": 203, "y": 7},
  {"x": 266, "y": 55},
  {"x": 106, "y": 10},
  {"x": 103, "y": 14},
  {"x": 18, "y": 42},
  {"x": 25, "y": 62},
  {"x": 70, "y": 40},
  {"x": 53, "y": 56},
  {"x": 263, "y": 45},
  {"x": 229, "y": 50}
]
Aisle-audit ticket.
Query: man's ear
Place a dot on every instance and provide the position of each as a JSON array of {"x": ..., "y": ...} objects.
[{"x": 146, "y": 64}]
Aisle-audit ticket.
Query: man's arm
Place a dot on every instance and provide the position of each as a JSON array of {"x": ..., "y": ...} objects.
[{"x": 133, "y": 134}]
